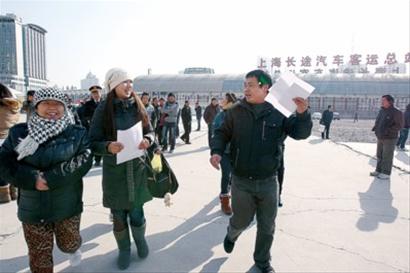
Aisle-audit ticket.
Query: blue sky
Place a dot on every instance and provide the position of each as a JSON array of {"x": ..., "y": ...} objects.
[{"x": 227, "y": 35}]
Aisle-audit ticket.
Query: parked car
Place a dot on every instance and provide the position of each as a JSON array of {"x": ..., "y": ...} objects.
[
  {"x": 316, "y": 115},
  {"x": 336, "y": 115}
]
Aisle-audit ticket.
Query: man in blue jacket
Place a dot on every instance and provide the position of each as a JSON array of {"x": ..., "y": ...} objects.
[
  {"x": 170, "y": 110},
  {"x": 255, "y": 131}
]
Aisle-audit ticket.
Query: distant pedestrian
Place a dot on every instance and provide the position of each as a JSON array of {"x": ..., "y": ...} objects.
[
  {"x": 90, "y": 106},
  {"x": 198, "y": 114},
  {"x": 356, "y": 117},
  {"x": 161, "y": 121},
  {"x": 72, "y": 111},
  {"x": 124, "y": 185},
  {"x": 210, "y": 113},
  {"x": 156, "y": 114},
  {"x": 170, "y": 111},
  {"x": 388, "y": 123},
  {"x": 46, "y": 159},
  {"x": 28, "y": 106},
  {"x": 186, "y": 116},
  {"x": 88, "y": 110},
  {"x": 404, "y": 133},
  {"x": 255, "y": 130},
  {"x": 326, "y": 120},
  {"x": 148, "y": 107},
  {"x": 9, "y": 116},
  {"x": 177, "y": 124},
  {"x": 226, "y": 168},
  {"x": 80, "y": 111}
]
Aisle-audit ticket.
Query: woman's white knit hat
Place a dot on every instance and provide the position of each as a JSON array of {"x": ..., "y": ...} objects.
[{"x": 114, "y": 77}]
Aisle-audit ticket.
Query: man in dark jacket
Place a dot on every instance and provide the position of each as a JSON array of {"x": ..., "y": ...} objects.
[
  {"x": 327, "y": 118},
  {"x": 161, "y": 120},
  {"x": 255, "y": 130},
  {"x": 28, "y": 106},
  {"x": 209, "y": 115},
  {"x": 389, "y": 121},
  {"x": 148, "y": 107},
  {"x": 90, "y": 106},
  {"x": 88, "y": 110},
  {"x": 198, "y": 113},
  {"x": 186, "y": 121},
  {"x": 156, "y": 114}
]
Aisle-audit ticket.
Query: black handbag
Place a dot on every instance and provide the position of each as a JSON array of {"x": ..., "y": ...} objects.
[
  {"x": 163, "y": 182},
  {"x": 321, "y": 122}
]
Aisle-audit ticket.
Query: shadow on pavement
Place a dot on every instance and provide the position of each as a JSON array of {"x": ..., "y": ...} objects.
[
  {"x": 316, "y": 141},
  {"x": 14, "y": 264},
  {"x": 181, "y": 249},
  {"x": 403, "y": 157},
  {"x": 19, "y": 263},
  {"x": 376, "y": 204},
  {"x": 201, "y": 149},
  {"x": 190, "y": 244},
  {"x": 213, "y": 265},
  {"x": 95, "y": 231},
  {"x": 373, "y": 163},
  {"x": 253, "y": 269}
]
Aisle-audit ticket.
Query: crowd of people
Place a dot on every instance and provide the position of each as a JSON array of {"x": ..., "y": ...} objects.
[{"x": 47, "y": 157}]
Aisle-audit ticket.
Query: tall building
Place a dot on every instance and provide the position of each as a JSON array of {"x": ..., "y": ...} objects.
[
  {"x": 34, "y": 48},
  {"x": 89, "y": 81},
  {"x": 22, "y": 54},
  {"x": 11, "y": 52}
]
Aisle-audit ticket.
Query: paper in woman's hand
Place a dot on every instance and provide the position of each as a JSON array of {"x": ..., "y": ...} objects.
[{"x": 130, "y": 138}]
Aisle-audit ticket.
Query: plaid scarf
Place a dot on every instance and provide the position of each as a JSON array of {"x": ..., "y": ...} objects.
[{"x": 39, "y": 131}]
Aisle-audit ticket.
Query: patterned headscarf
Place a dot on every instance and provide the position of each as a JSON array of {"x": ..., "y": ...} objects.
[
  {"x": 41, "y": 129},
  {"x": 49, "y": 94}
]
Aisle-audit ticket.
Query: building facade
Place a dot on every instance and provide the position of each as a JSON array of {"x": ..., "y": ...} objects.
[
  {"x": 89, "y": 81},
  {"x": 11, "y": 52},
  {"x": 34, "y": 48},
  {"x": 22, "y": 54},
  {"x": 346, "y": 95}
]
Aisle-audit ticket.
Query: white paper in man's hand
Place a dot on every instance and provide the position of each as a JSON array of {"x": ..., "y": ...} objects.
[
  {"x": 130, "y": 138},
  {"x": 287, "y": 87}
]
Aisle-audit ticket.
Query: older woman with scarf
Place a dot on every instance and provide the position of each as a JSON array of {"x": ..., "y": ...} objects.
[
  {"x": 124, "y": 185},
  {"x": 9, "y": 116},
  {"x": 46, "y": 158},
  {"x": 224, "y": 196}
]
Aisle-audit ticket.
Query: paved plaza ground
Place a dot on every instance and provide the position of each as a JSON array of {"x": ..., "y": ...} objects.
[{"x": 335, "y": 218}]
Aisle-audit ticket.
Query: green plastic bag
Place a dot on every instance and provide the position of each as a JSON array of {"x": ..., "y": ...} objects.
[{"x": 156, "y": 163}]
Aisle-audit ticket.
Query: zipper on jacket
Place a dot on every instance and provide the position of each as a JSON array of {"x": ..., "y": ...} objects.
[
  {"x": 263, "y": 131},
  {"x": 236, "y": 158}
]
